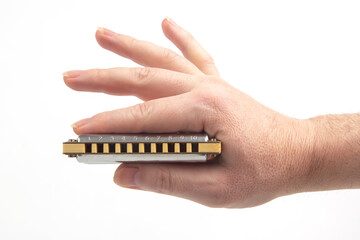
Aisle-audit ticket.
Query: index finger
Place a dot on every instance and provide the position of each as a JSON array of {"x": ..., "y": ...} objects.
[{"x": 171, "y": 114}]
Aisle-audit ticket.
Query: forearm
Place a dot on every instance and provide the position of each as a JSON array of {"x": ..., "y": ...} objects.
[{"x": 335, "y": 162}]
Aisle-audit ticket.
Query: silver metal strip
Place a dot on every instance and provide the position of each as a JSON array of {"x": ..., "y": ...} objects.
[
  {"x": 133, "y": 157},
  {"x": 143, "y": 138}
]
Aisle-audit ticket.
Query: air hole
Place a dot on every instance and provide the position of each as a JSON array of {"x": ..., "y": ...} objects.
[
  {"x": 147, "y": 147},
  {"x": 135, "y": 147},
  {"x": 182, "y": 147},
  {"x": 88, "y": 147},
  {"x": 100, "y": 148},
  {"x": 159, "y": 147},
  {"x": 195, "y": 147},
  {"x": 171, "y": 147},
  {"x": 111, "y": 147},
  {"x": 123, "y": 147}
]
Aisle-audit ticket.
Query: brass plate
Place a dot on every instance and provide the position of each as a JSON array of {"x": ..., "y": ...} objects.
[
  {"x": 210, "y": 147},
  {"x": 73, "y": 148}
]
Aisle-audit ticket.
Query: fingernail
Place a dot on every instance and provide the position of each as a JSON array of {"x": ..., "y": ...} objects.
[
  {"x": 105, "y": 31},
  {"x": 80, "y": 123},
  {"x": 171, "y": 21},
  {"x": 125, "y": 177},
  {"x": 72, "y": 74}
]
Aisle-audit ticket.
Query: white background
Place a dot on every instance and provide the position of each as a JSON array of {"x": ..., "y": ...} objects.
[{"x": 300, "y": 58}]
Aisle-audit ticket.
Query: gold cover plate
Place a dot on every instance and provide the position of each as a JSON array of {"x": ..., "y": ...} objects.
[{"x": 73, "y": 148}]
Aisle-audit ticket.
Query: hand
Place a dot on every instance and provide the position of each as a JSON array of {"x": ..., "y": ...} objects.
[{"x": 265, "y": 154}]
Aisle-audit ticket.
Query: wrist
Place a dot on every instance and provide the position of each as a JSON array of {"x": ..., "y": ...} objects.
[
  {"x": 298, "y": 157},
  {"x": 335, "y": 161}
]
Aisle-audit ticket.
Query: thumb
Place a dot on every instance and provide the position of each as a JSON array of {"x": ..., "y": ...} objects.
[{"x": 202, "y": 183}]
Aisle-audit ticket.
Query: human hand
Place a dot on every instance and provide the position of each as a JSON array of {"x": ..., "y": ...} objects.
[{"x": 264, "y": 154}]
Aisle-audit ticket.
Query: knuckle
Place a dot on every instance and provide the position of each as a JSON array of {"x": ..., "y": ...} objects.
[
  {"x": 103, "y": 117},
  {"x": 98, "y": 78},
  {"x": 208, "y": 98},
  {"x": 131, "y": 44},
  {"x": 99, "y": 75},
  {"x": 164, "y": 183},
  {"x": 208, "y": 60},
  {"x": 170, "y": 56},
  {"x": 99, "y": 117},
  {"x": 140, "y": 112},
  {"x": 101, "y": 121},
  {"x": 215, "y": 97},
  {"x": 220, "y": 194},
  {"x": 186, "y": 46},
  {"x": 189, "y": 36},
  {"x": 141, "y": 76}
]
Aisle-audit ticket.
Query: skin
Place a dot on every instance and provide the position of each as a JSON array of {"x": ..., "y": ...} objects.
[{"x": 265, "y": 154}]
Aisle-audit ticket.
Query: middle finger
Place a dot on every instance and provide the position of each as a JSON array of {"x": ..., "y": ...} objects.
[
  {"x": 145, "y": 83},
  {"x": 144, "y": 53}
]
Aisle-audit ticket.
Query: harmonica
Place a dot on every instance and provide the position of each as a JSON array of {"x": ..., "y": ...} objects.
[{"x": 142, "y": 148}]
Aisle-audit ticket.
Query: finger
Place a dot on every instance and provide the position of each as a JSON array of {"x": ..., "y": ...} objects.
[
  {"x": 164, "y": 115},
  {"x": 144, "y": 53},
  {"x": 196, "y": 182},
  {"x": 145, "y": 83},
  {"x": 191, "y": 48}
]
